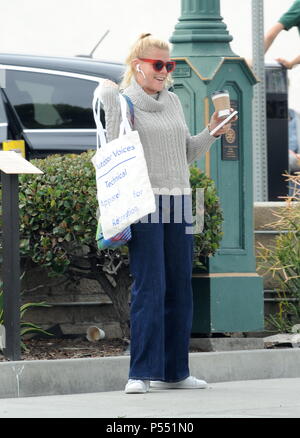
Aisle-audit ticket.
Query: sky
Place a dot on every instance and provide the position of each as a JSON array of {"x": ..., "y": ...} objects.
[{"x": 72, "y": 27}]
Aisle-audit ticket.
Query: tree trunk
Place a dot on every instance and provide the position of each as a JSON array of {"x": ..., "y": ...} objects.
[
  {"x": 118, "y": 293},
  {"x": 119, "y": 296}
]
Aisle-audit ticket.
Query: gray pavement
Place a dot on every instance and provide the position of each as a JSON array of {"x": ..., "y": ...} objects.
[
  {"x": 247, "y": 384},
  {"x": 270, "y": 398}
]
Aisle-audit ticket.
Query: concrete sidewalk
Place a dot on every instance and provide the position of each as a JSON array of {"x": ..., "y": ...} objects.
[
  {"x": 272, "y": 398},
  {"x": 83, "y": 376}
]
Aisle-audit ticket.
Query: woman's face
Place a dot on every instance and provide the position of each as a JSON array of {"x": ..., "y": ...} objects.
[{"x": 154, "y": 81}]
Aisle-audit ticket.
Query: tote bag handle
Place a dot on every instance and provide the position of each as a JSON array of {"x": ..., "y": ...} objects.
[
  {"x": 101, "y": 138},
  {"x": 125, "y": 127}
]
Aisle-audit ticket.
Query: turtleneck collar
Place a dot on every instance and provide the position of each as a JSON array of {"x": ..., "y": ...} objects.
[{"x": 144, "y": 101}]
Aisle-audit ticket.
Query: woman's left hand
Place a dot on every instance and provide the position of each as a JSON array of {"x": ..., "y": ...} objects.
[{"x": 215, "y": 121}]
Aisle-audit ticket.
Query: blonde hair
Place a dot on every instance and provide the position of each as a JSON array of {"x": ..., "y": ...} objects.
[{"x": 140, "y": 48}]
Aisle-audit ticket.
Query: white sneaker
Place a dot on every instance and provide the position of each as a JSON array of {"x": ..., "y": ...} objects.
[
  {"x": 137, "y": 386},
  {"x": 188, "y": 383}
]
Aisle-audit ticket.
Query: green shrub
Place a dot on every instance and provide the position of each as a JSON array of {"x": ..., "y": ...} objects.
[
  {"x": 208, "y": 241},
  {"x": 58, "y": 208},
  {"x": 282, "y": 260}
]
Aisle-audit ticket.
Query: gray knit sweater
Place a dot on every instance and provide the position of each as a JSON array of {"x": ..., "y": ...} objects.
[{"x": 167, "y": 143}]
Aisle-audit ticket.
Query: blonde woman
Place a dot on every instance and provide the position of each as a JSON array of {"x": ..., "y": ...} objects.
[{"x": 161, "y": 251}]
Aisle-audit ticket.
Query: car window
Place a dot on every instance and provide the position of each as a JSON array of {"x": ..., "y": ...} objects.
[{"x": 47, "y": 101}]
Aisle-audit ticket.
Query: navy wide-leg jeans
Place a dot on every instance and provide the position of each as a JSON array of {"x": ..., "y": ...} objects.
[{"x": 161, "y": 257}]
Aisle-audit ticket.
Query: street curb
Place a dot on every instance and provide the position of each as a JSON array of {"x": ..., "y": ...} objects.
[{"x": 77, "y": 376}]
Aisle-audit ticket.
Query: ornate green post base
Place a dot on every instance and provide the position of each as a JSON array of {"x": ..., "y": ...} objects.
[
  {"x": 229, "y": 296},
  {"x": 227, "y": 303}
]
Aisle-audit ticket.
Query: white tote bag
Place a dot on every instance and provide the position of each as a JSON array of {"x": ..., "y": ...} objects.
[{"x": 124, "y": 191}]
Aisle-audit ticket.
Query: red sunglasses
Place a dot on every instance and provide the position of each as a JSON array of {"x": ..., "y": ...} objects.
[{"x": 159, "y": 65}]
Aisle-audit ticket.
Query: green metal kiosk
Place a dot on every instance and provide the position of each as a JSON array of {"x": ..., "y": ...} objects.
[{"x": 229, "y": 296}]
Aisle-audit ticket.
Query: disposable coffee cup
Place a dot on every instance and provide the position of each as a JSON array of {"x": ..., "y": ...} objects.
[
  {"x": 221, "y": 101},
  {"x": 94, "y": 334}
]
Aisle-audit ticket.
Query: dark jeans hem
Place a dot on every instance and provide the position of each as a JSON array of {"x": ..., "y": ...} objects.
[
  {"x": 145, "y": 378},
  {"x": 160, "y": 379},
  {"x": 177, "y": 380}
]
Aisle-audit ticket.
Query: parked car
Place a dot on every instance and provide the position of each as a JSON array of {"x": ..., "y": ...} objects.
[{"x": 47, "y": 101}]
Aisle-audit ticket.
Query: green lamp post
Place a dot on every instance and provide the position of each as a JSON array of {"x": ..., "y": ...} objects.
[{"x": 229, "y": 296}]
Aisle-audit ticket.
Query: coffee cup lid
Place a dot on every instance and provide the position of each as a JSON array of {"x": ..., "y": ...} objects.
[{"x": 215, "y": 93}]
